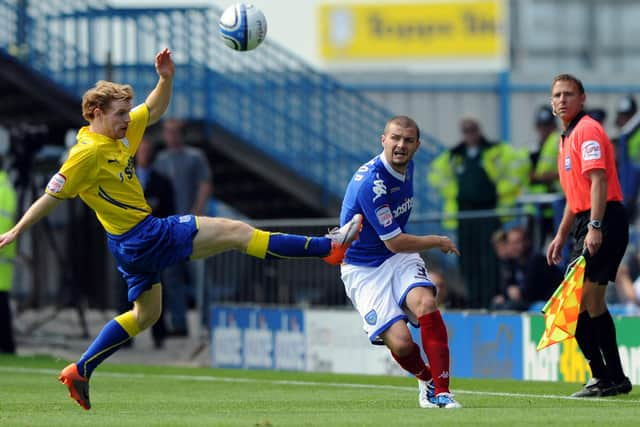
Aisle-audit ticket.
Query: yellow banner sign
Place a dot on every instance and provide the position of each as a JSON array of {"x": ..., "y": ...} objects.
[{"x": 451, "y": 30}]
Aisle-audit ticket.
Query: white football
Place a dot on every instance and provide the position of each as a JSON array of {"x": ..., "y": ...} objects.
[{"x": 243, "y": 26}]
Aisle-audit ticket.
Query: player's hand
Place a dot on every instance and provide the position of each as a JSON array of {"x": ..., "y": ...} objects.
[
  {"x": 7, "y": 238},
  {"x": 164, "y": 64},
  {"x": 447, "y": 246},
  {"x": 593, "y": 241},
  {"x": 554, "y": 251}
]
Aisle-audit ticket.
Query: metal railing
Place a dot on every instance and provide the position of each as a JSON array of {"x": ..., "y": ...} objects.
[{"x": 238, "y": 278}]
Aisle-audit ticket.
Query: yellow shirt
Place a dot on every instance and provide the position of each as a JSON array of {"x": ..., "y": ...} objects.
[{"x": 101, "y": 171}]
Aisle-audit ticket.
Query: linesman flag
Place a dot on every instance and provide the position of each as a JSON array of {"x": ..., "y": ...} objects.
[{"x": 563, "y": 308}]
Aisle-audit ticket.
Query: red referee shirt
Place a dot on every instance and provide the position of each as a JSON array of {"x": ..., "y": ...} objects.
[{"x": 584, "y": 147}]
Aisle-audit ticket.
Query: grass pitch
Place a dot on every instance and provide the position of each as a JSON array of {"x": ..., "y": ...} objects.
[{"x": 128, "y": 395}]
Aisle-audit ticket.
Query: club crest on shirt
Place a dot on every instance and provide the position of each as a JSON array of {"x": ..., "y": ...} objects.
[
  {"x": 591, "y": 150},
  {"x": 371, "y": 317},
  {"x": 56, "y": 183},
  {"x": 384, "y": 215}
]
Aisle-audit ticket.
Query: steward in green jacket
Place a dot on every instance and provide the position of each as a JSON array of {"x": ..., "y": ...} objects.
[
  {"x": 478, "y": 175},
  {"x": 492, "y": 179}
]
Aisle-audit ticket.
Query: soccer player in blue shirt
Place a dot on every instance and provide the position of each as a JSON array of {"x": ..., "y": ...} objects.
[
  {"x": 100, "y": 170},
  {"x": 383, "y": 274}
]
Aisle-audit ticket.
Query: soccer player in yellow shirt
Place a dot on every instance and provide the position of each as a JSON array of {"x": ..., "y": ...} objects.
[{"x": 100, "y": 170}]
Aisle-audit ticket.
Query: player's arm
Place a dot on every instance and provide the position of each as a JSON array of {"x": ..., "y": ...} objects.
[
  {"x": 158, "y": 100},
  {"x": 375, "y": 205},
  {"x": 405, "y": 242},
  {"x": 38, "y": 210}
]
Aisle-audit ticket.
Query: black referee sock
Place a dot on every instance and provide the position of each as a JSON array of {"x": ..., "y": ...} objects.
[
  {"x": 608, "y": 343},
  {"x": 586, "y": 336}
]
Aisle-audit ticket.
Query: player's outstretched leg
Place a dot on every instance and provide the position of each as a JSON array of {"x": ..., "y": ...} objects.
[
  {"x": 77, "y": 384},
  {"x": 217, "y": 235},
  {"x": 331, "y": 248}
]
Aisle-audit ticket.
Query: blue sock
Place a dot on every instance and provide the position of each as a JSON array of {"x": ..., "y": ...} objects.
[
  {"x": 108, "y": 341},
  {"x": 294, "y": 246}
]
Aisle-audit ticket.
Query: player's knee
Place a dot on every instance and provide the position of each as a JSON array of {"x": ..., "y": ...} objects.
[
  {"x": 241, "y": 230},
  {"x": 399, "y": 342},
  {"x": 237, "y": 233},
  {"x": 425, "y": 305},
  {"x": 147, "y": 316}
]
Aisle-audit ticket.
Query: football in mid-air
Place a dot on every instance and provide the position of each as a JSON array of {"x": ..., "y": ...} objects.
[{"x": 243, "y": 26}]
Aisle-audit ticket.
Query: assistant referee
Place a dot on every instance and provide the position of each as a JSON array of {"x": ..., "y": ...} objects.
[{"x": 594, "y": 213}]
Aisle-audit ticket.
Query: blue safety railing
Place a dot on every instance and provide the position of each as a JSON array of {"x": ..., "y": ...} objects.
[{"x": 268, "y": 97}]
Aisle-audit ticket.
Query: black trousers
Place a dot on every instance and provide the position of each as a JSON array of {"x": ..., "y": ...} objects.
[{"x": 7, "y": 343}]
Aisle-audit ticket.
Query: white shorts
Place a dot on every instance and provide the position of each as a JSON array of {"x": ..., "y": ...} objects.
[{"x": 378, "y": 293}]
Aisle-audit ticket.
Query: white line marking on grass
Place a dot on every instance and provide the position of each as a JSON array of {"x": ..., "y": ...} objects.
[{"x": 317, "y": 384}]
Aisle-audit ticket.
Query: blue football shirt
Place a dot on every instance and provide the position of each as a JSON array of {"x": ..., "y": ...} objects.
[{"x": 384, "y": 197}]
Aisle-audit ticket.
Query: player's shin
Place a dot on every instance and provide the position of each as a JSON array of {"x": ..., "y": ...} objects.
[
  {"x": 266, "y": 245},
  {"x": 436, "y": 346},
  {"x": 112, "y": 336},
  {"x": 413, "y": 363}
]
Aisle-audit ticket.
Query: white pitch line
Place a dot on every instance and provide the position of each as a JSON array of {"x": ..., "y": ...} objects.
[{"x": 317, "y": 384}]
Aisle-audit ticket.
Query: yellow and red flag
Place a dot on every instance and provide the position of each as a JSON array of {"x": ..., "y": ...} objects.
[{"x": 563, "y": 308}]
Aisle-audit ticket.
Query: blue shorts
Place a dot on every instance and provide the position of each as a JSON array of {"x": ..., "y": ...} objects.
[{"x": 151, "y": 246}]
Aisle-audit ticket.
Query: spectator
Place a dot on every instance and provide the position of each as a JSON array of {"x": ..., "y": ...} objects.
[
  {"x": 501, "y": 249},
  {"x": 188, "y": 169},
  {"x": 527, "y": 277},
  {"x": 478, "y": 175},
  {"x": 159, "y": 193},
  {"x": 628, "y": 152},
  {"x": 7, "y": 256}
]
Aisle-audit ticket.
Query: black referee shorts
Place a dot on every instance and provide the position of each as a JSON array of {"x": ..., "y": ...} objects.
[{"x": 603, "y": 266}]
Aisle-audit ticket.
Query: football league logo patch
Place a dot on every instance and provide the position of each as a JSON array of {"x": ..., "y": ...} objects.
[
  {"x": 56, "y": 183},
  {"x": 591, "y": 150},
  {"x": 371, "y": 317},
  {"x": 384, "y": 215}
]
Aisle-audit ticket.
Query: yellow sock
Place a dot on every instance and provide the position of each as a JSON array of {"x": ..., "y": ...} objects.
[
  {"x": 129, "y": 323},
  {"x": 258, "y": 244}
]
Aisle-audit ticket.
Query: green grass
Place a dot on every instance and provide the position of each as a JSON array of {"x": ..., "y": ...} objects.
[{"x": 127, "y": 395}]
